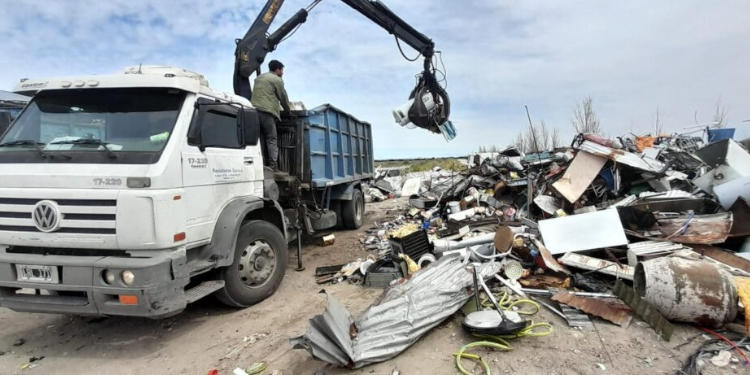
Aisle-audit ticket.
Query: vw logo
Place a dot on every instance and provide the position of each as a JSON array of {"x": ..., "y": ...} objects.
[{"x": 46, "y": 216}]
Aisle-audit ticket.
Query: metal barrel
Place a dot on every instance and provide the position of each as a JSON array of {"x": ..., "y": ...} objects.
[{"x": 687, "y": 290}]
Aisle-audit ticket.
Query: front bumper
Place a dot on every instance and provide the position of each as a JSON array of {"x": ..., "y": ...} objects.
[{"x": 159, "y": 284}]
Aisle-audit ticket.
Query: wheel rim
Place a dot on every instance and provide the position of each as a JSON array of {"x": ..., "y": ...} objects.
[{"x": 257, "y": 263}]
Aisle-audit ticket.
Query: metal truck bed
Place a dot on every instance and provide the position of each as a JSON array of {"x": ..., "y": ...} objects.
[{"x": 335, "y": 148}]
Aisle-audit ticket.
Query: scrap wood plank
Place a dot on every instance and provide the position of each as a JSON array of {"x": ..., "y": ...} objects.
[
  {"x": 644, "y": 310},
  {"x": 614, "y": 312},
  {"x": 579, "y": 175}
]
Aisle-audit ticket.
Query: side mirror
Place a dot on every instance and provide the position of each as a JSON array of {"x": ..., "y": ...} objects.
[{"x": 250, "y": 125}]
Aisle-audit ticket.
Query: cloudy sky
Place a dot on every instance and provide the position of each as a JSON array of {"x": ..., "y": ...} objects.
[{"x": 633, "y": 58}]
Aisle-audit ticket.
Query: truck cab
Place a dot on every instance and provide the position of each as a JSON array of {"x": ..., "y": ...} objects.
[
  {"x": 135, "y": 194},
  {"x": 10, "y": 105}
]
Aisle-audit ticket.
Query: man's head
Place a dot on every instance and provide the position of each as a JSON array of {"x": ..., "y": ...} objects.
[{"x": 276, "y": 67}]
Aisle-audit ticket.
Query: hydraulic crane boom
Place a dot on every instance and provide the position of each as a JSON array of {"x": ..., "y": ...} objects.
[{"x": 257, "y": 43}]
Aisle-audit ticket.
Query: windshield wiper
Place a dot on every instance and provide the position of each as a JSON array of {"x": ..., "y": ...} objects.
[
  {"x": 88, "y": 141},
  {"x": 27, "y": 142}
]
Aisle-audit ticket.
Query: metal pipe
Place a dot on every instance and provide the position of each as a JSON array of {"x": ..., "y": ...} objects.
[
  {"x": 489, "y": 292},
  {"x": 544, "y": 292},
  {"x": 511, "y": 286},
  {"x": 299, "y": 250},
  {"x": 476, "y": 287},
  {"x": 444, "y": 245}
]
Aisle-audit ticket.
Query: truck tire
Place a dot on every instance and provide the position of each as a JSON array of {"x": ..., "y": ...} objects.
[
  {"x": 336, "y": 207},
  {"x": 260, "y": 261},
  {"x": 353, "y": 211}
]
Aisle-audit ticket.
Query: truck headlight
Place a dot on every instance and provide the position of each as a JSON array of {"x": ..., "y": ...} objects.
[
  {"x": 109, "y": 276},
  {"x": 128, "y": 277}
]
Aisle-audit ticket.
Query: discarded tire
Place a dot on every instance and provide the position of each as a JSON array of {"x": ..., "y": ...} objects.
[{"x": 687, "y": 290}]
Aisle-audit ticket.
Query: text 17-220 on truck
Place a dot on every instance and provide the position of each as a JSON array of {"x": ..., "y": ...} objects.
[{"x": 138, "y": 193}]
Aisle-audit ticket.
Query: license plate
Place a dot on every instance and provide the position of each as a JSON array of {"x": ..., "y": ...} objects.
[{"x": 37, "y": 274}]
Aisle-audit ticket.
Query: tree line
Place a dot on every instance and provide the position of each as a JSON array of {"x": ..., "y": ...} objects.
[{"x": 538, "y": 138}]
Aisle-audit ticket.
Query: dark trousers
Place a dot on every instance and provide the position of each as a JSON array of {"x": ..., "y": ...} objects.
[{"x": 268, "y": 135}]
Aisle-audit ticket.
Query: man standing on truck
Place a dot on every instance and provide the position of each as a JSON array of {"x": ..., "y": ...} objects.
[{"x": 269, "y": 96}]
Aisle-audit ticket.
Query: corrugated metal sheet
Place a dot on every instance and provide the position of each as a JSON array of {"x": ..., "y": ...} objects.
[
  {"x": 406, "y": 312},
  {"x": 613, "y": 311},
  {"x": 644, "y": 310}
]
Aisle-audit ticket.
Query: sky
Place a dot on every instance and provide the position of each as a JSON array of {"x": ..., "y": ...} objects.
[{"x": 634, "y": 59}]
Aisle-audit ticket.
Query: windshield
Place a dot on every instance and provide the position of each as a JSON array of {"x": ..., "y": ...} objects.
[{"x": 126, "y": 125}]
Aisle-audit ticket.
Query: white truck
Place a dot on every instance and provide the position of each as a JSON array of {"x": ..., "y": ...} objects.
[
  {"x": 138, "y": 193},
  {"x": 135, "y": 194}
]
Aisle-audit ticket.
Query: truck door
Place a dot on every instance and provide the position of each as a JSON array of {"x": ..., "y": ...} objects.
[{"x": 216, "y": 167}]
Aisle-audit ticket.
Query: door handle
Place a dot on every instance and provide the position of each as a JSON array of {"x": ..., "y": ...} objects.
[{"x": 248, "y": 160}]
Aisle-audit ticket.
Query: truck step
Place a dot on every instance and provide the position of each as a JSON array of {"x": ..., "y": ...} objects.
[
  {"x": 200, "y": 266},
  {"x": 203, "y": 289}
]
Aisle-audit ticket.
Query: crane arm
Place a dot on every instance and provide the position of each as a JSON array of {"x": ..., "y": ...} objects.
[{"x": 252, "y": 49}]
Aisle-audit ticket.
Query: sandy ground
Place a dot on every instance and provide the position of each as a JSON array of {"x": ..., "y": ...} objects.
[{"x": 209, "y": 336}]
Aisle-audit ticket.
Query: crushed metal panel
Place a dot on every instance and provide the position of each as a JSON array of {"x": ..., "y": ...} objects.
[
  {"x": 727, "y": 152},
  {"x": 411, "y": 187},
  {"x": 547, "y": 203},
  {"x": 599, "y": 265},
  {"x": 644, "y": 310},
  {"x": 730, "y": 161},
  {"x": 579, "y": 175},
  {"x": 614, "y": 312},
  {"x": 624, "y": 157},
  {"x": 724, "y": 256},
  {"x": 406, "y": 312},
  {"x": 548, "y": 259},
  {"x": 729, "y": 192},
  {"x": 328, "y": 335},
  {"x": 651, "y": 249},
  {"x": 587, "y": 231},
  {"x": 715, "y": 177},
  {"x": 701, "y": 229}
]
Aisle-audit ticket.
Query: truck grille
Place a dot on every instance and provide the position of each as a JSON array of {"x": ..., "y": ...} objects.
[{"x": 82, "y": 216}]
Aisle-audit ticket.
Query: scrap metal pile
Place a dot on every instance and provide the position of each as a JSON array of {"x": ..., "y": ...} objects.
[{"x": 650, "y": 227}]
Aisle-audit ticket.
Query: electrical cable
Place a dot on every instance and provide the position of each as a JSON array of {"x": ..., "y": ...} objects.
[
  {"x": 444, "y": 71},
  {"x": 728, "y": 341},
  {"x": 290, "y": 34},
  {"x": 398, "y": 44}
]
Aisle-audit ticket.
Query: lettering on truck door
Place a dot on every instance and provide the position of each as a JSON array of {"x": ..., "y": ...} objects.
[{"x": 225, "y": 169}]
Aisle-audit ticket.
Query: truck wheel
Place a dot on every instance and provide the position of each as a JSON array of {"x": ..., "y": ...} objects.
[
  {"x": 259, "y": 265},
  {"x": 336, "y": 207},
  {"x": 354, "y": 210}
]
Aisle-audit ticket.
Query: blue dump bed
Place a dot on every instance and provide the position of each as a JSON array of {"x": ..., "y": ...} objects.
[{"x": 336, "y": 147}]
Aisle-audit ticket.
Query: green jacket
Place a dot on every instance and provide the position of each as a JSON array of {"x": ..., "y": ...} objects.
[{"x": 268, "y": 93}]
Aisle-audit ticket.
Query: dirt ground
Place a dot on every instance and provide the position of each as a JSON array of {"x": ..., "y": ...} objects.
[{"x": 209, "y": 336}]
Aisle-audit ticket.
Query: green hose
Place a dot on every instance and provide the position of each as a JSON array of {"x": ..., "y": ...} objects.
[
  {"x": 499, "y": 342},
  {"x": 490, "y": 344}
]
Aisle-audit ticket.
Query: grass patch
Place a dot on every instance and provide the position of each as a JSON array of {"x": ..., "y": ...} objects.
[{"x": 421, "y": 165}]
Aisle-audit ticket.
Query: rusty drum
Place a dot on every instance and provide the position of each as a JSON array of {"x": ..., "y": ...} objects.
[{"x": 687, "y": 290}]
